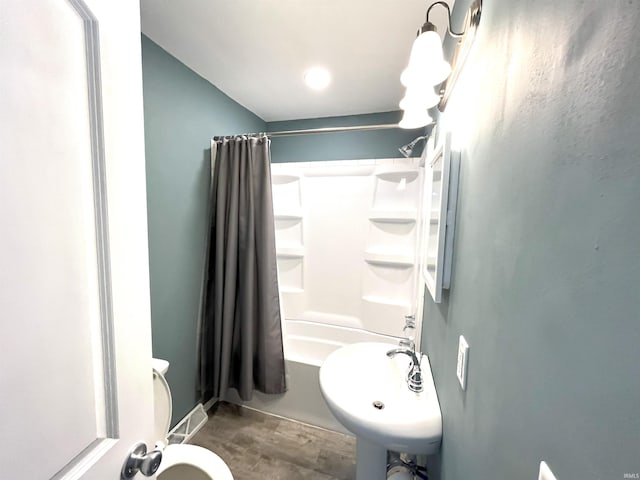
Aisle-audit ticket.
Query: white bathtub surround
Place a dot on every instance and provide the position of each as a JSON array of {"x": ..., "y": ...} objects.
[{"x": 346, "y": 239}]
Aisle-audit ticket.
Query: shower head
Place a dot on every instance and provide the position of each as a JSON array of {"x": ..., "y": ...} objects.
[{"x": 407, "y": 149}]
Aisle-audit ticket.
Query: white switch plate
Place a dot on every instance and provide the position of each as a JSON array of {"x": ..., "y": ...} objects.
[
  {"x": 463, "y": 356},
  {"x": 545, "y": 472}
]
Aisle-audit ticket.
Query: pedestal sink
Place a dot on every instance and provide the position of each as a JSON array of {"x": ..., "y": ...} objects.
[{"x": 367, "y": 392}]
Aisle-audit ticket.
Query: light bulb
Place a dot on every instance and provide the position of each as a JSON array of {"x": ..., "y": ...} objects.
[
  {"x": 426, "y": 47},
  {"x": 415, "y": 119},
  {"x": 418, "y": 98},
  {"x": 426, "y": 62},
  {"x": 430, "y": 75}
]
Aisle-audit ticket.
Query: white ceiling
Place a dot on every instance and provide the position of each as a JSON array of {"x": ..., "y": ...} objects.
[{"x": 256, "y": 51}]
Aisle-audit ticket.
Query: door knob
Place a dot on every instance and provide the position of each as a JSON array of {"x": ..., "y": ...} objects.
[{"x": 138, "y": 460}]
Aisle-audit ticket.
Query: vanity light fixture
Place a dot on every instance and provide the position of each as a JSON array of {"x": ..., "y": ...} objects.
[{"x": 427, "y": 67}]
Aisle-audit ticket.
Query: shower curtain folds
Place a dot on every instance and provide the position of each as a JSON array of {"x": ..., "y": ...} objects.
[{"x": 240, "y": 340}]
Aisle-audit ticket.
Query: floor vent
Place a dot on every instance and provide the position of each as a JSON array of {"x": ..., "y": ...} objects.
[{"x": 189, "y": 425}]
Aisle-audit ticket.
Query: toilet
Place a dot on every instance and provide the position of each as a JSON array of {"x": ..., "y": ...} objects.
[{"x": 180, "y": 461}]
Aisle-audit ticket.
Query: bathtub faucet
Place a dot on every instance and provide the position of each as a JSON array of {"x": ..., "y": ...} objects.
[{"x": 414, "y": 374}]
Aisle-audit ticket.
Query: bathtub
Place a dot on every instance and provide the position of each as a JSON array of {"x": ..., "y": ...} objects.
[
  {"x": 306, "y": 346},
  {"x": 311, "y": 342}
]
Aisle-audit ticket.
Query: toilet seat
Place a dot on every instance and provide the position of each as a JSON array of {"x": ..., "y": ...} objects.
[
  {"x": 197, "y": 457},
  {"x": 210, "y": 465},
  {"x": 162, "y": 407}
]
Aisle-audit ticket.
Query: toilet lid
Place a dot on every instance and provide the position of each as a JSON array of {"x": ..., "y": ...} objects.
[{"x": 162, "y": 406}]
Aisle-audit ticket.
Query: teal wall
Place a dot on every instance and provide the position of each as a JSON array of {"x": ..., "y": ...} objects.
[
  {"x": 182, "y": 112},
  {"x": 344, "y": 145},
  {"x": 546, "y": 275}
]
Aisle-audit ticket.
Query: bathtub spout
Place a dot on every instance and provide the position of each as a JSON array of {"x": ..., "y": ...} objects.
[{"x": 414, "y": 375}]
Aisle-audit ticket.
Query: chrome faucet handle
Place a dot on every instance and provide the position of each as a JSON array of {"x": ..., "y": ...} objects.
[
  {"x": 409, "y": 332},
  {"x": 410, "y": 321},
  {"x": 414, "y": 373}
]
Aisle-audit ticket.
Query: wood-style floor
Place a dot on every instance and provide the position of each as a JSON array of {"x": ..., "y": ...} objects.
[{"x": 257, "y": 446}]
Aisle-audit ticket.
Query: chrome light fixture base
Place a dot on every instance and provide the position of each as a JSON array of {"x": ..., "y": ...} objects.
[{"x": 427, "y": 65}]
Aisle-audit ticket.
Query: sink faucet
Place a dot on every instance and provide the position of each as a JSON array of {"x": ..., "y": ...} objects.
[
  {"x": 414, "y": 375},
  {"x": 408, "y": 347}
]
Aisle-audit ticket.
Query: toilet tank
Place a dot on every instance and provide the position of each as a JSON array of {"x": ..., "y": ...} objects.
[{"x": 159, "y": 365}]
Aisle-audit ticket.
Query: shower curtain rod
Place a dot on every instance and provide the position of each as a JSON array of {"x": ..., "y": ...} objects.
[{"x": 309, "y": 131}]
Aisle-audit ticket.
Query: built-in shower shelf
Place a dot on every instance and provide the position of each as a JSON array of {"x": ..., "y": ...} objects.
[
  {"x": 393, "y": 173},
  {"x": 389, "y": 259},
  {"x": 293, "y": 214},
  {"x": 290, "y": 252},
  {"x": 393, "y": 216}
]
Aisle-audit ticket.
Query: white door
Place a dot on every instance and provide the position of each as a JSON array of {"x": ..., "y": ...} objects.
[{"x": 75, "y": 340}]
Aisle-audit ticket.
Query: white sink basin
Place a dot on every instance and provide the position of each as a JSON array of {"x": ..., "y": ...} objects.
[{"x": 355, "y": 377}]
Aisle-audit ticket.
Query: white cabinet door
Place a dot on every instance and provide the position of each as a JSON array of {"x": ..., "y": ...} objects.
[{"x": 75, "y": 340}]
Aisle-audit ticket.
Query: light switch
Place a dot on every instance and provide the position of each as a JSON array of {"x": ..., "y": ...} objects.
[
  {"x": 463, "y": 356},
  {"x": 545, "y": 472}
]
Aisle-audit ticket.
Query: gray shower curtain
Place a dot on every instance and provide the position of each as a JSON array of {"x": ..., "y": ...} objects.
[{"x": 240, "y": 332}]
